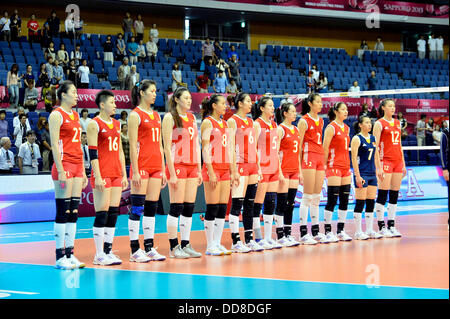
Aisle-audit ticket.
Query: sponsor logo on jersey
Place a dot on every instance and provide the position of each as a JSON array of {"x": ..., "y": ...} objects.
[
  {"x": 104, "y": 131},
  {"x": 146, "y": 121}
]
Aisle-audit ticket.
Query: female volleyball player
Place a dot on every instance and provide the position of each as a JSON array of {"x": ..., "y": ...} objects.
[
  {"x": 267, "y": 146},
  {"x": 387, "y": 132},
  {"x": 289, "y": 151},
  {"x": 108, "y": 177},
  {"x": 216, "y": 171},
  {"x": 146, "y": 170},
  {"x": 335, "y": 144},
  {"x": 365, "y": 157},
  {"x": 68, "y": 174},
  {"x": 313, "y": 167},
  {"x": 244, "y": 166},
  {"x": 182, "y": 151}
]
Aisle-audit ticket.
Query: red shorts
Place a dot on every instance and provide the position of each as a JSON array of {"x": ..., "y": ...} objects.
[
  {"x": 247, "y": 169},
  {"x": 183, "y": 171},
  {"x": 148, "y": 173},
  {"x": 221, "y": 174},
  {"x": 109, "y": 182},
  {"x": 291, "y": 175},
  {"x": 338, "y": 172},
  {"x": 71, "y": 170},
  {"x": 392, "y": 167},
  {"x": 313, "y": 161},
  {"x": 268, "y": 178}
]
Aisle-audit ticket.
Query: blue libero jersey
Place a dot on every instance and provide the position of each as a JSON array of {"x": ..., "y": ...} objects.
[{"x": 366, "y": 155}]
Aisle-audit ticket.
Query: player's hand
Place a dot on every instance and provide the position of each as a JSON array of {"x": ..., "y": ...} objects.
[
  {"x": 380, "y": 174},
  {"x": 173, "y": 181},
  {"x": 300, "y": 178},
  {"x": 200, "y": 178},
  {"x": 85, "y": 182},
  {"x": 62, "y": 179},
  {"x": 100, "y": 184},
  {"x": 235, "y": 177},
  {"x": 404, "y": 171},
  {"x": 360, "y": 181},
  {"x": 445, "y": 174},
  {"x": 281, "y": 178},
  {"x": 125, "y": 183},
  {"x": 163, "y": 180},
  {"x": 136, "y": 180},
  {"x": 260, "y": 175},
  {"x": 212, "y": 179}
]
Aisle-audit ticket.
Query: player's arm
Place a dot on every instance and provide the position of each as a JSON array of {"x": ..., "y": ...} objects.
[
  {"x": 167, "y": 128},
  {"x": 232, "y": 150},
  {"x": 328, "y": 135},
  {"x": 54, "y": 124},
  {"x": 257, "y": 131},
  {"x": 377, "y": 134},
  {"x": 163, "y": 165},
  {"x": 199, "y": 156},
  {"x": 92, "y": 137},
  {"x": 205, "y": 130},
  {"x": 280, "y": 133},
  {"x": 354, "y": 145},
  {"x": 302, "y": 126},
  {"x": 122, "y": 164},
  {"x": 133, "y": 126}
]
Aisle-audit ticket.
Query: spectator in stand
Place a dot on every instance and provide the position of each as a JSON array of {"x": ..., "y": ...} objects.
[
  {"x": 50, "y": 51},
  {"x": 58, "y": 73},
  {"x": 154, "y": 33},
  {"x": 12, "y": 83},
  {"x": 123, "y": 117},
  {"x": 127, "y": 26},
  {"x": 440, "y": 48},
  {"x": 132, "y": 78},
  {"x": 3, "y": 124},
  {"x": 108, "y": 50},
  {"x": 20, "y": 131},
  {"x": 46, "y": 148},
  {"x": 141, "y": 55},
  {"x": 310, "y": 83},
  {"x": 5, "y": 22},
  {"x": 233, "y": 70},
  {"x": 421, "y": 47},
  {"x": 122, "y": 73},
  {"x": 28, "y": 76},
  {"x": 365, "y": 111},
  {"x": 43, "y": 75},
  {"x": 86, "y": 156},
  {"x": 364, "y": 45},
  {"x": 46, "y": 36},
  {"x": 69, "y": 25},
  {"x": 232, "y": 87},
  {"x": 76, "y": 55},
  {"x": 40, "y": 128},
  {"x": 379, "y": 46},
  {"x": 28, "y": 155},
  {"x": 429, "y": 128},
  {"x": 53, "y": 22},
  {"x": 121, "y": 48},
  {"x": 84, "y": 119},
  {"x": 220, "y": 83},
  {"x": 125, "y": 143},
  {"x": 63, "y": 55},
  {"x": 177, "y": 79},
  {"x": 222, "y": 65},
  {"x": 15, "y": 26},
  {"x": 437, "y": 135},
  {"x": 201, "y": 82},
  {"x": 47, "y": 94},
  {"x": 315, "y": 72},
  {"x": 152, "y": 49},
  {"x": 83, "y": 72},
  {"x": 420, "y": 130},
  {"x": 432, "y": 47},
  {"x": 217, "y": 51},
  {"x": 287, "y": 99},
  {"x": 33, "y": 27},
  {"x": 354, "y": 88},
  {"x": 403, "y": 125},
  {"x": 132, "y": 49},
  {"x": 30, "y": 100},
  {"x": 139, "y": 28},
  {"x": 49, "y": 68},
  {"x": 372, "y": 81},
  {"x": 232, "y": 52},
  {"x": 211, "y": 70},
  {"x": 71, "y": 72},
  {"x": 207, "y": 51},
  {"x": 16, "y": 120},
  {"x": 322, "y": 83},
  {"x": 6, "y": 156}
]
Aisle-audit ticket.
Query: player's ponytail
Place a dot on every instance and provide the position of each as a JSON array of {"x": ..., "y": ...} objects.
[
  {"x": 140, "y": 86},
  {"x": 305, "y": 103},
  {"x": 279, "y": 112},
  {"x": 332, "y": 111},
  {"x": 360, "y": 120},
  {"x": 256, "y": 108},
  {"x": 207, "y": 105}
]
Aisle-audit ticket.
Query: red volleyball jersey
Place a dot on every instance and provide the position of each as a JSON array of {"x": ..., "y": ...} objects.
[
  {"x": 219, "y": 143},
  {"x": 185, "y": 141},
  {"x": 338, "y": 155},
  {"x": 69, "y": 143},
  {"x": 267, "y": 143},
  {"x": 149, "y": 134},
  {"x": 245, "y": 144},
  {"x": 312, "y": 140},
  {"x": 108, "y": 143},
  {"x": 289, "y": 149},
  {"x": 390, "y": 140}
]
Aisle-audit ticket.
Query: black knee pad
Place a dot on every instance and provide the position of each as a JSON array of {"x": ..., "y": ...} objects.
[
  {"x": 332, "y": 197},
  {"x": 344, "y": 194},
  {"x": 257, "y": 209},
  {"x": 281, "y": 204},
  {"x": 211, "y": 211},
  {"x": 251, "y": 191},
  {"x": 359, "y": 206},
  {"x": 137, "y": 206},
  {"x": 150, "y": 208},
  {"x": 188, "y": 209},
  {"x": 370, "y": 205},
  {"x": 176, "y": 209},
  {"x": 382, "y": 196},
  {"x": 72, "y": 218},
  {"x": 100, "y": 219},
  {"x": 62, "y": 210},
  {"x": 236, "y": 206},
  {"x": 113, "y": 213},
  {"x": 222, "y": 212},
  {"x": 393, "y": 197},
  {"x": 74, "y": 204},
  {"x": 269, "y": 203}
]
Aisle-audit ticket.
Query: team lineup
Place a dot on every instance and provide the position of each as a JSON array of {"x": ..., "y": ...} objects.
[{"x": 259, "y": 160}]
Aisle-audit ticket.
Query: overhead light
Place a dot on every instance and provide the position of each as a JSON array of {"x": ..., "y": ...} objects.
[{"x": 243, "y": 24}]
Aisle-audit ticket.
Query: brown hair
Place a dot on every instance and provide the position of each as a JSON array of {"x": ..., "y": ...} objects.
[{"x": 173, "y": 105}]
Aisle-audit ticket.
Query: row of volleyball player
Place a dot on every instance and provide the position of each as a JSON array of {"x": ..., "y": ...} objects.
[{"x": 286, "y": 156}]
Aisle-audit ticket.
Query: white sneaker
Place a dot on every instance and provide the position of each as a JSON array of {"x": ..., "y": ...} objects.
[
  {"x": 76, "y": 263},
  {"x": 154, "y": 255},
  {"x": 224, "y": 250},
  {"x": 308, "y": 240},
  {"x": 254, "y": 246},
  {"x": 103, "y": 260},
  {"x": 374, "y": 235},
  {"x": 275, "y": 244},
  {"x": 240, "y": 248},
  {"x": 332, "y": 237},
  {"x": 265, "y": 244},
  {"x": 321, "y": 238},
  {"x": 116, "y": 260},
  {"x": 343, "y": 236},
  {"x": 177, "y": 252},
  {"x": 191, "y": 252},
  {"x": 293, "y": 242},
  {"x": 213, "y": 251},
  {"x": 395, "y": 232},
  {"x": 64, "y": 263},
  {"x": 385, "y": 233},
  {"x": 284, "y": 241},
  {"x": 139, "y": 257},
  {"x": 361, "y": 236}
]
